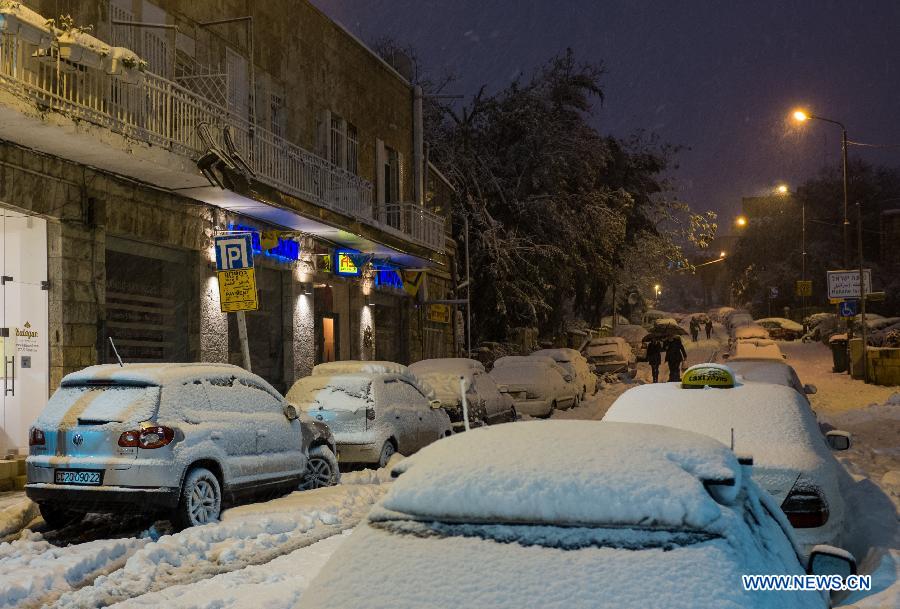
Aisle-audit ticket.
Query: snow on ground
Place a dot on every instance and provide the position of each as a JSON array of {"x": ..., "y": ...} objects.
[{"x": 249, "y": 539}]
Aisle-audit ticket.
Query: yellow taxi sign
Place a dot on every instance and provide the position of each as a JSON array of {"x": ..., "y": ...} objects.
[{"x": 708, "y": 375}]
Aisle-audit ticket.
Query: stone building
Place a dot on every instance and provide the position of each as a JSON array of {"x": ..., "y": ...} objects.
[{"x": 307, "y": 140}]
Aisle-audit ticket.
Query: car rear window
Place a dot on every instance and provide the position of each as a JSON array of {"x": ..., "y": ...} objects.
[
  {"x": 100, "y": 404},
  {"x": 332, "y": 393}
]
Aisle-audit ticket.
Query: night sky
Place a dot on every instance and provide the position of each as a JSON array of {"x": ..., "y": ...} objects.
[{"x": 717, "y": 77}]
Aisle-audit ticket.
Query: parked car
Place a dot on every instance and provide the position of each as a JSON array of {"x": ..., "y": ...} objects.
[
  {"x": 610, "y": 354},
  {"x": 781, "y": 328},
  {"x": 537, "y": 385},
  {"x": 322, "y": 467},
  {"x": 770, "y": 370},
  {"x": 174, "y": 438},
  {"x": 576, "y": 365},
  {"x": 749, "y": 331},
  {"x": 792, "y": 459},
  {"x": 634, "y": 335},
  {"x": 374, "y": 409},
  {"x": 649, "y": 517},
  {"x": 484, "y": 400}
]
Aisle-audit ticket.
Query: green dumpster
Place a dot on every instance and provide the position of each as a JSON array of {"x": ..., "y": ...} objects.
[{"x": 839, "y": 354}]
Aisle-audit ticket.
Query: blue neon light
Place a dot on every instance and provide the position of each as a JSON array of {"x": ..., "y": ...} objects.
[
  {"x": 287, "y": 249},
  {"x": 388, "y": 278}
]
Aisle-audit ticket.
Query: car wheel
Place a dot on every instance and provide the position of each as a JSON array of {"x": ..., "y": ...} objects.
[
  {"x": 58, "y": 517},
  {"x": 513, "y": 415},
  {"x": 322, "y": 469},
  {"x": 201, "y": 499},
  {"x": 386, "y": 451},
  {"x": 551, "y": 411}
]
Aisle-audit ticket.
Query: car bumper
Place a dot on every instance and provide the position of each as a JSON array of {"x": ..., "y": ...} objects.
[
  {"x": 117, "y": 472},
  {"x": 536, "y": 407},
  {"x": 104, "y": 498}
]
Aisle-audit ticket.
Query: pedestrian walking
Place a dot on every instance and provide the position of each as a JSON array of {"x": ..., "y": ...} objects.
[
  {"x": 708, "y": 329},
  {"x": 695, "y": 329},
  {"x": 654, "y": 357},
  {"x": 675, "y": 354}
]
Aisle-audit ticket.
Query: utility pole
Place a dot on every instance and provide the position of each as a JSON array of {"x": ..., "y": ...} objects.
[
  {"x": 862, "y": 291},
  {"x": 468, "y": 292},
  {"x": 846, "y": 219}
]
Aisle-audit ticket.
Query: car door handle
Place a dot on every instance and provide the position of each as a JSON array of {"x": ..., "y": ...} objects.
[{"x": 215, "y": 435}]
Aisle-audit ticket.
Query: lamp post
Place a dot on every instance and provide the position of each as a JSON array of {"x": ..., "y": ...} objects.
[{"x": 801, "y": 116}]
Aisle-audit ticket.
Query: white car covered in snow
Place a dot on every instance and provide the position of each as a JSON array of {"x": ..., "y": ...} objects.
[
  {"x": 374, "y": 409},
  {"x": 171, "y": 438},
  {"x": 485, "y": 402},
  {"x": 576, "y": 365},
  {"x": 537, "y": 385},
  {"x": 573, "y": 514},
  {"x": 793, "y": 461}
]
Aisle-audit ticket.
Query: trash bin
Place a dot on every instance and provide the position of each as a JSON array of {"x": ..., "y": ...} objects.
[{"x": 839, "y": 356}]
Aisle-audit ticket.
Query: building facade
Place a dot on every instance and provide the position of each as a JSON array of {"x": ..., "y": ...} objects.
[{"x": 126, "y": 148}]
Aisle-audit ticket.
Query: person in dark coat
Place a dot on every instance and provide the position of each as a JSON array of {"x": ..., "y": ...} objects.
[
  {"x": 708, "y": 329},
  {"x": 654, "y": 357},
  {"x": 675, "y": 354},
  {"x": 695, "y": 329}
]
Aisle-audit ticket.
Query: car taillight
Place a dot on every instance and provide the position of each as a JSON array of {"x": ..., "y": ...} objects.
[
  {"x": 36, "y": 437},
  {"x": 805, "y": 508},
  {"x": 370, "y": 414},
  {"x": 147, "y": 437}
]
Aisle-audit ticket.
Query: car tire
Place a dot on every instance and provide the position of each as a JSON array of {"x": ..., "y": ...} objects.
[
  {"x": 200, "y": 501},
  {"x": 58, "y": 517},
  {"x": 387, "y": 450},
  {"x": 576, "y": 402},
  {"x": 321, "y": 470},
  {"x": 513, "y": 416},
  {"x": 551, "y": 411}
]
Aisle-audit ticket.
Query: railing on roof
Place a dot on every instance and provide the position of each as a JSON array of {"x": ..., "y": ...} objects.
[{"x": 164, "y": 113}]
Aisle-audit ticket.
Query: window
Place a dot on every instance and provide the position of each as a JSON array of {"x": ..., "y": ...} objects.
[
  {"x": 276, "y": 114},
  {"x": 352, "y": 149},
  {"x": 338, "y": 137},
  {"x": 391, "y": 176},
  {"x": 238, "y": 96}
]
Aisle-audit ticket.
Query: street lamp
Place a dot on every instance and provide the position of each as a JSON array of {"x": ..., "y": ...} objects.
[
  {"x": 802, "y": 116},
  {"x": 721, "y": 254},
  {"x": 657, "y": 290},
  {"x": 741, "y": 221},
  {"x": 781, "y": 189}
]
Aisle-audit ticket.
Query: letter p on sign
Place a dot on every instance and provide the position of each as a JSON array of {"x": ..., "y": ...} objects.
[{"x": 234, "y": 252}]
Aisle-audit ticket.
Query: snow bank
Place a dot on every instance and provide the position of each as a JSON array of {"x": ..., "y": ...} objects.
[
  {"x": 16, "y": 515},
  {"x": 625, "y": 474}
]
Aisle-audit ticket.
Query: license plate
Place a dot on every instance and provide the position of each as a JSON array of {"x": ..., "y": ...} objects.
[{"x": 76, "y": 476}]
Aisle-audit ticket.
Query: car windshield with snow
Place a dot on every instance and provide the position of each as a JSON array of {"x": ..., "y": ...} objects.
[
  {"x": 485, "y": 403},
  {"x": 650, "y": 517},
  {"x": 610, "y": 354},
  {"x": 537, "y": 385},
  {"x": 576, "y": 365},
  {"x": 773, "y": 424},
  {"x": 171, "y": 438},
  {"x": 373, "y": 409}
]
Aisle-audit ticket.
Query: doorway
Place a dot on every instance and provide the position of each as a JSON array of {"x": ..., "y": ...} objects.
[
  {"x": 327, "y": 338},
  {"x": 24, "y": 330}
]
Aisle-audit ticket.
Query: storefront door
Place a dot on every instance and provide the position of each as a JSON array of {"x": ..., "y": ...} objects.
[{"x": 25, "y": 353}]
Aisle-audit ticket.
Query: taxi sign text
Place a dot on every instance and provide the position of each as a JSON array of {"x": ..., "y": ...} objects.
[{"x": 697, "y": 377}]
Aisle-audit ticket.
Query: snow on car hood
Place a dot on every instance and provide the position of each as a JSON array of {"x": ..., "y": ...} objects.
[
  {"x": 338, "y": 392},
  {"x": 536, "y": 373},
  {"x": 358, "y": 367},
  {"x": 446, "y": 385},
  {"x": 624, "y": 474}
]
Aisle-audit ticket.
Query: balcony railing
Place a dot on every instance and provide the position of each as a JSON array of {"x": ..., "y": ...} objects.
[
  {"x": 419, "y": 223},
  {"x": 164, "y": 113}
]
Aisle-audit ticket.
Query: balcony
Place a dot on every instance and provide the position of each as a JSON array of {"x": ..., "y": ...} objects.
[{"x": 163, "y": 114}]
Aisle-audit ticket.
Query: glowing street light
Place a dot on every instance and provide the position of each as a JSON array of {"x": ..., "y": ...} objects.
[
  {"x": 722, "y": 254},
  {"x": 657, "y": 290},
  {"x": 741, "y": 221},
  {"x": 781, "y": 189},
  {"x": 800, "y": 116}
]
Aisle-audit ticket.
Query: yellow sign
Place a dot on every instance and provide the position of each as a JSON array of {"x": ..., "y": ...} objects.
[
  {"x": 345, "y": 265},
  {"x": 804, "y": 288},
  {"x": 412, "y": 281},
  {"x": 237, "y": 290},
  {"x": 439, "y": 313},
  {"x": 707, "y": 375},
  {"x": 325, "y": 266}
]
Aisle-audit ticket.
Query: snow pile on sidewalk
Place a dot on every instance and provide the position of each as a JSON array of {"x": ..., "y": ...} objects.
[
  {"x": 35, "y": 572},
  {"x": 277, "y": 584},
  {"x": 16, "y": 516}
]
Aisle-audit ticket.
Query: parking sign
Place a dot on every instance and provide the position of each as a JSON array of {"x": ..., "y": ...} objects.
[{"x": 234, "y": 252}]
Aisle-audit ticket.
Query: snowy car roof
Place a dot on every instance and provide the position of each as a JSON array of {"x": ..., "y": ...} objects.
[
  {"x": 782, "y": 322},
  {"x": 762, "y": 349},
  {"x": 559, "y": 355},
  {"x": 775, "y": 371},
  {"x": 751, "y": 331},
  {"x": 158, "y": 374},
  {"x": 448, "y": 365},
  {"x": 523, "y": 360},
  {"x": 359, "y": 367},
  {"x": 625, "y": 475},
  {"x": 772, "y": 423}
]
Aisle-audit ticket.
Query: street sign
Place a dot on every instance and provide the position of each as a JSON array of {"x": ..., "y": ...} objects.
[
  {"x": 439, "y": 313},
  {"x": 845, "y": 284},
  {"x": 237, "y": 278},
  {"x": 848, "y": 308},
  {"x": 234, "y": 252},
  {"x": 804, "y": 287}
]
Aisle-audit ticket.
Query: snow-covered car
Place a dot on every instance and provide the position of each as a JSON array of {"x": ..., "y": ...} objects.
[
  {"x": 754, "y": 348},
  {"x": 772, "y": 423},
  {"x": 621, "y": 516},
  {"x": 374, "y": 409},
  {"x": 175, "y": 438},
  {"x": 770, "y": 370},
  {"x": 484, "y": 400},
  {"x": 781, "y": 328},
  {"x": 610, "y": 354},
  {"x": 537, "y": 385},
  {"x": 749, "y": 331},
  {"x": 576, "y": 365},
  {"x": 634, "y": 335},
  {"x": 736, "y": 319}
]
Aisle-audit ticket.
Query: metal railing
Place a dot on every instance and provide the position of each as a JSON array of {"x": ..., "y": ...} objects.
[{"x": 419, "y": 223}]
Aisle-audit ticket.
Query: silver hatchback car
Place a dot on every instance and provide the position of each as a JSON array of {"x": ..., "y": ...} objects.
[{"x": 176, "y": 438}]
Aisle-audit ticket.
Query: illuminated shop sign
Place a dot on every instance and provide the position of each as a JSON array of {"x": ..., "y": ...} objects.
[
  {"x": 269, "y": 243},
  {"x": 344, "y": 264},
  {"x": 387, "y": 276}
]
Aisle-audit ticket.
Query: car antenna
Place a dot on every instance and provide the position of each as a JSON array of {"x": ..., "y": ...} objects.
[
  {"x": 121, "y": 365},
  {"x": 732, "y": 436}
]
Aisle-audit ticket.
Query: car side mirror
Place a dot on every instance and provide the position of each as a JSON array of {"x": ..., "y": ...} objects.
[
  {"x": 290, "y": 411},
  {"x": 809, "y": 389},
  {"x": 829, "y": 560},
  {"x": 838, "y": 440},
  {"x": 435, "y": 403}
]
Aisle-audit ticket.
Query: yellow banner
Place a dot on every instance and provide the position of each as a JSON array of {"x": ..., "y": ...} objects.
[
  {"x": 237, "y": 290},
  {"x": 439, "y": 313}
]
